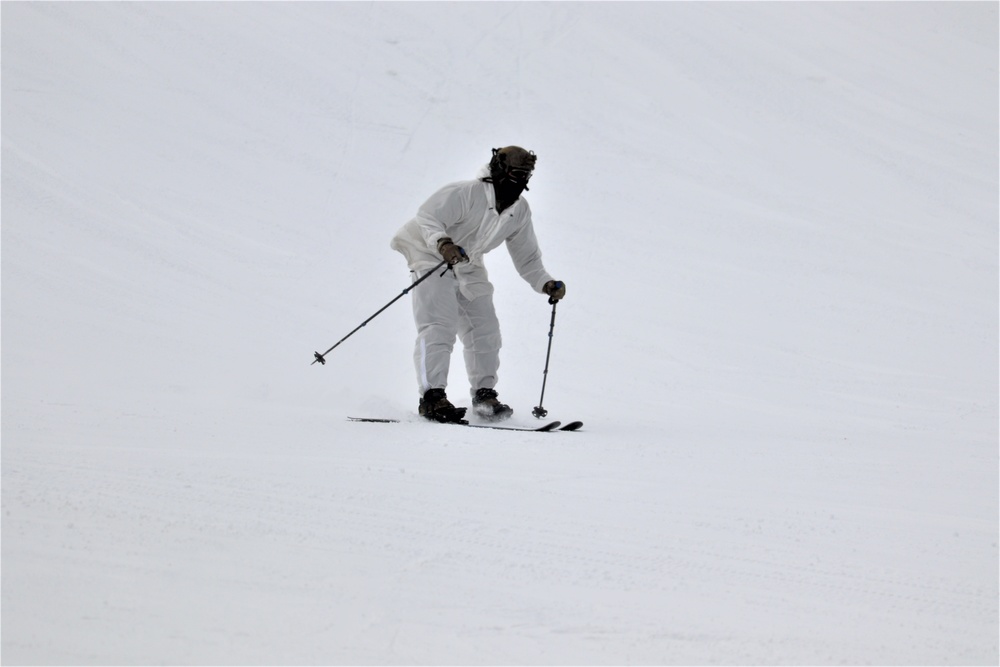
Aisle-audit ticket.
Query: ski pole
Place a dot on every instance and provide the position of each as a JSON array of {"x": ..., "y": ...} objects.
[
  {"x": 539, "y": 411},
  {"x": 321, "y": 357}
]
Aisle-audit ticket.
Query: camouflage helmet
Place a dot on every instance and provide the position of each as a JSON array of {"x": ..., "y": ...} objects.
[{"x": 512, "y": 163}]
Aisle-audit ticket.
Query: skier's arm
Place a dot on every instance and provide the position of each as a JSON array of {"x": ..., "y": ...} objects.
[
  {"x": 527, "y": 256},
  {"x": 445, "y": 209}
]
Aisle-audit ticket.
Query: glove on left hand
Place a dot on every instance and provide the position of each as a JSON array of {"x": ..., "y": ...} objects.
[{"x": 556, "y": 289}]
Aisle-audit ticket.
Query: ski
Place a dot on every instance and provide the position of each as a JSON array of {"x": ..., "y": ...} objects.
[{"x": 551, "y": 426}]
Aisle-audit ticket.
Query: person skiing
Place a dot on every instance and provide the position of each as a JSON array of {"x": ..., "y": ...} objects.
[{"x": 460, "y": 223}]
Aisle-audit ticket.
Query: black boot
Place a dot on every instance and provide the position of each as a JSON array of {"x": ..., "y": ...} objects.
[
  {"x": 486, "y": 406},
  {"x": 436, "y": 407}
]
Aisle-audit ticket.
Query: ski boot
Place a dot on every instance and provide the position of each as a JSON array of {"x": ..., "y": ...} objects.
[
  {"x": 486, "y": 406},
  {"x": 436, "y": 407}
]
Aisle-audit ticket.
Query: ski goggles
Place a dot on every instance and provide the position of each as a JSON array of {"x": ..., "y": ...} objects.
[{"x": 519, "y": 173}]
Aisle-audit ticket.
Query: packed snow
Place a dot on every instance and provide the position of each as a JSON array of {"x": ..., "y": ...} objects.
[{"x": 778, "y": 227}]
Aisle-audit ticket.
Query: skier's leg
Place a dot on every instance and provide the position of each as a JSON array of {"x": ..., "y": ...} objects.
[
  {"x": 435, "y": 312},
  {"x": 479, "y": 329}
]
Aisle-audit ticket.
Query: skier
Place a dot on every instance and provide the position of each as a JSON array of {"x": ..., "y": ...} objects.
[{"x": 460, "y": 223}]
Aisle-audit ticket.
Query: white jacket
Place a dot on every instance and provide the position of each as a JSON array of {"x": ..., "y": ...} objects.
[{"x": 466, "y": 212}]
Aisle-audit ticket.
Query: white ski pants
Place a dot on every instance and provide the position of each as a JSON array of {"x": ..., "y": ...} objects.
[{"x": 441, "y": 313}]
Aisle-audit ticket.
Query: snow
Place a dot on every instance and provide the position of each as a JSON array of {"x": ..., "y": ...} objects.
[{"x": 778, "y": 225}]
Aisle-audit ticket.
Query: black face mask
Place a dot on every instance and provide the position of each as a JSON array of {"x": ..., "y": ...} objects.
[{"x": 507, "y": 191}]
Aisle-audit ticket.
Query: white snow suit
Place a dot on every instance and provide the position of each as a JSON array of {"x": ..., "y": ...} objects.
[{"x": 460, "y": 303}]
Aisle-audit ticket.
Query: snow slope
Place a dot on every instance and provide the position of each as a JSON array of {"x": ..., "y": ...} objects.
[{"x": 778, "y": 224}]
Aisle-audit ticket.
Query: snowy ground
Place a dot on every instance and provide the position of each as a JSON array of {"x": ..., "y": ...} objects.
[{"x": 778, "y": 224}]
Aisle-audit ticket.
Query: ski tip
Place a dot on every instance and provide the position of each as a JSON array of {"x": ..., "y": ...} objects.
[
  {"x": 572, "y": 426},
  {"x": 551, "y": 426}
]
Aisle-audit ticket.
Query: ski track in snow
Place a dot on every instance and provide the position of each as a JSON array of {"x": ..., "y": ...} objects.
[{"x": 778, "y": 227}]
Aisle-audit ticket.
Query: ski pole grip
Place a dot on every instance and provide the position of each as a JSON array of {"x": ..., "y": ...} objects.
[{"x": 558, "y": 285}]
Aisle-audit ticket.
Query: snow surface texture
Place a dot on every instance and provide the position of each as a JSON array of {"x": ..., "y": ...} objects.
[{"x": 778, "y": 224}]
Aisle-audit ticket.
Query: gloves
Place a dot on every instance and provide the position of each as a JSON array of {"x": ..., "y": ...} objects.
[
  {"x": 556, "y": 289},
  {"x": 451, "y": 252}
]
